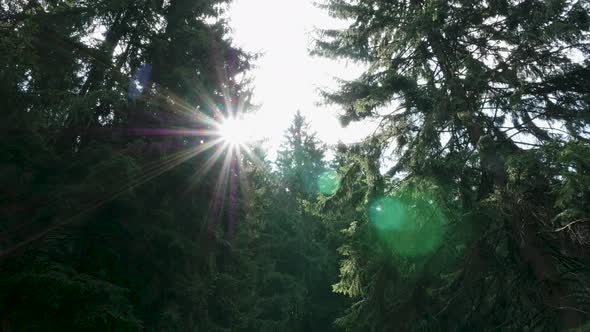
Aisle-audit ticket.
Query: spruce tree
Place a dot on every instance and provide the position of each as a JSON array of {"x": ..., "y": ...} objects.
[
  {"x": 300, "y": 159},
  {"x": 484, "y": 103},
  {"x": 108, "y": 218},
  {"x": 295, "y": 260}
]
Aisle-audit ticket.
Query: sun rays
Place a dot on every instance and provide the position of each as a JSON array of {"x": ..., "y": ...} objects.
[
  {"x": 225, "y": 145},
  {"x": 234, "y": 131},
  {"x": 208, "y": 131},
  {"x": 222, "y": 145}
]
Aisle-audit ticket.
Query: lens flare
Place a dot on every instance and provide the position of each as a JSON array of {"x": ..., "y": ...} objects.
[
  {"x": 219, "y": 140},
  {"x": 410, "y": 224},
  {"x": 328, "y": 182},
  {"x": 387, "y": 213},
  {"x": 234, "y": 131}
]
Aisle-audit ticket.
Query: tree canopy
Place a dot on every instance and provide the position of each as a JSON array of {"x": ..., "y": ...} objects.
[
  {"x": 476, "y": 98},
  {"x": 124, "y": 208}
]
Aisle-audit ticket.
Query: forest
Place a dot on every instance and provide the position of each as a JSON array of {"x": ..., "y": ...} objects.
[{"x": 129, "y": 200}]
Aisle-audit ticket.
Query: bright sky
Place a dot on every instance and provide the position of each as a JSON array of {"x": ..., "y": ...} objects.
[{"x": 287, "y": 77}]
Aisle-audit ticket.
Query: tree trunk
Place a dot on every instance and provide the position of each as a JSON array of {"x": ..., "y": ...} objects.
[
  {"x": 73, "y": 134},
  {"x": 554, "y": 292}
]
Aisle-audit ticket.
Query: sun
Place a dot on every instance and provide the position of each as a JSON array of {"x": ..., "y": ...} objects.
[{"x": 234, "y": 131}]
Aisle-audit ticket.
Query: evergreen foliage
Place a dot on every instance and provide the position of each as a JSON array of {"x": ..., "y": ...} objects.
[
  {"x": 482, "y": 102},
  {"x": 120, "y": 209},
  {"x": 296, "y": 249},
  {"x": 300, "y": 160},
  {"x": 104, "y": 224}
]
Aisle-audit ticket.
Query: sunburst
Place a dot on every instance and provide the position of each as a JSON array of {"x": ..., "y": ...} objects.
[
  {"x": 234, "y": 131},
  {"x": 228, "y": 138}
]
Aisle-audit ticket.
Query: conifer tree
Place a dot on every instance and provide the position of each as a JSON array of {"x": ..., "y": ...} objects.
[
  {"x": 105, "y": 207},
  {"x": 484, "y": 103},
  {"x": 295, "y": 262},
  {"x": 300, "y": 160}
]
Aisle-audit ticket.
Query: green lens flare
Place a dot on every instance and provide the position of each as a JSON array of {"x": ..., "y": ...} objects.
[
  {"x": 410, "y": 224},
  {"x": 387, "y": 213},
  {"x": 328, "y": 182}
]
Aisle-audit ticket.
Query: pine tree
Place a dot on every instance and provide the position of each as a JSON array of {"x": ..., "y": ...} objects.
[
  {"x": 295, "y": 262},
  {"x": 484, "y": 103},
  {"x": 300, "y": 160},
  {"x": 105, "y": 206}
]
